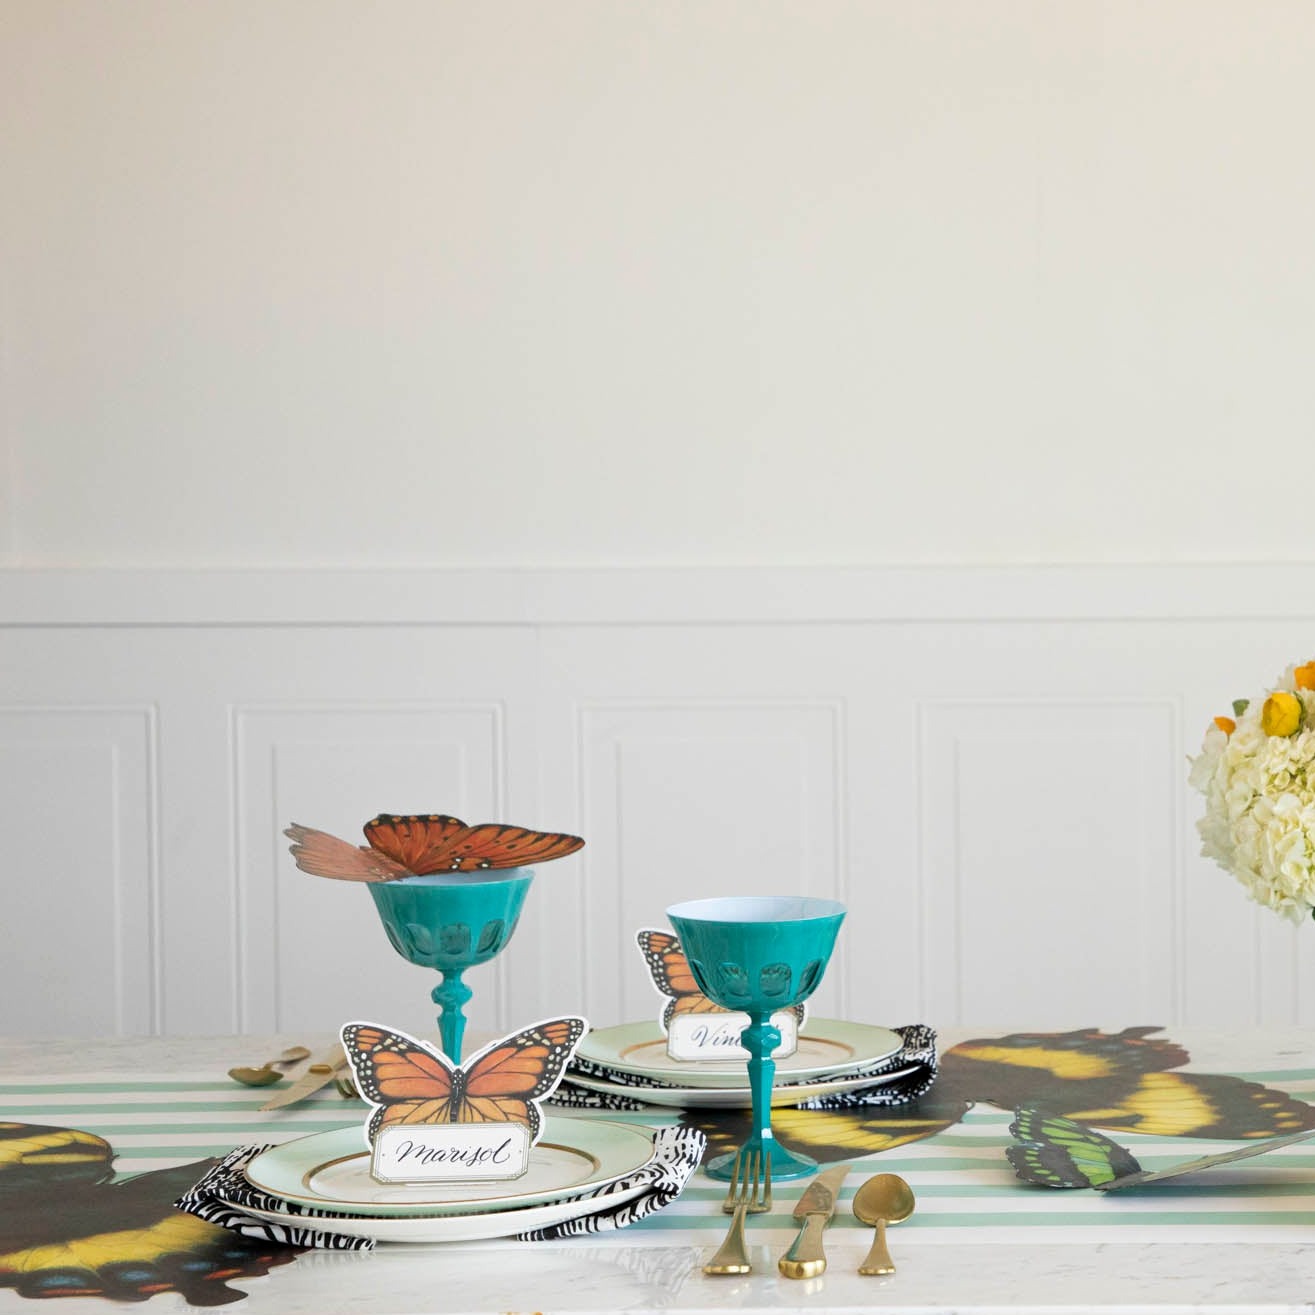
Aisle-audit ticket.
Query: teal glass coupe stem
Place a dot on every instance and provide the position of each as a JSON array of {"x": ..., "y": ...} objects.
[
  {"x": 760, "y": 1038},
  {"x": 451, "y": 996}
]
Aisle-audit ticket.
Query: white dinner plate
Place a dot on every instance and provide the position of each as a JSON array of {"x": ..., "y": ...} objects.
[
  {"x": 828, "y": 1048},
  {"x": 331, "y": 1171},
  {"x": 712, "y": 1098},
  {"x": 452, "y": 1228}
]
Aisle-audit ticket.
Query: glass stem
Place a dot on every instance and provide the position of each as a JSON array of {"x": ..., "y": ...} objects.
[
  {"x": 451, "y": 994},
  {"x": 760, "y": 1038}
]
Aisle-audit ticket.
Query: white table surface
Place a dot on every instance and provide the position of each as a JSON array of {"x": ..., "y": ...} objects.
[{"x": 611, "y": 1273}]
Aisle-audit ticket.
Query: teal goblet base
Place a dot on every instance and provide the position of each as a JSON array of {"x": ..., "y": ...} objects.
[{"x": 785, "y": 1164}]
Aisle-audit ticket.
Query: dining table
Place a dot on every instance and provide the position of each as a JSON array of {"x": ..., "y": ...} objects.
[{"x": 1237, "y": 1238}]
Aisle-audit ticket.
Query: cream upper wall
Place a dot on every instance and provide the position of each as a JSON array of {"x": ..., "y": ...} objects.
[{"x": 291, "y": 282}]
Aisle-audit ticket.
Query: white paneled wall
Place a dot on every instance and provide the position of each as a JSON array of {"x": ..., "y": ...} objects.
[{"x": 987, "y": 767}]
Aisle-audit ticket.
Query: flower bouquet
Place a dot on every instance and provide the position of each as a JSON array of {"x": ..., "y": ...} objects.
[{"x": 1256, "y": 770}]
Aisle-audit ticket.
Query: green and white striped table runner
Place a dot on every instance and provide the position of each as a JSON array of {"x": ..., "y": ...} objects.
[{"x": 965, "y": 1187}]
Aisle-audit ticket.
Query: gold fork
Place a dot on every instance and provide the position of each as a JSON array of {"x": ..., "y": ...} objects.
[{"x": 750, "y": 1192}]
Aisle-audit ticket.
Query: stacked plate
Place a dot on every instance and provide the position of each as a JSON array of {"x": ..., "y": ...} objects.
[
  {"x": 574, "y": 1160},
  {"x": 833, "y": 1057}
]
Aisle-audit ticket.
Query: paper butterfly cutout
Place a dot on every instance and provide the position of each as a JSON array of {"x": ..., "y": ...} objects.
[
  {"x": 415, "y": 846},
  {"x": 408, "y": 1082},
  {"x": 1053, "y": 1151},
  {"x": 1059, "y": 1152},
  {"x": 671, "y": 974}
]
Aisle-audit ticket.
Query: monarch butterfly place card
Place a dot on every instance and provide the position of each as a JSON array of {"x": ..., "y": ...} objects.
[
  {"x": 698, "y": 1030},
  {"x": 435, "y": 1121}
]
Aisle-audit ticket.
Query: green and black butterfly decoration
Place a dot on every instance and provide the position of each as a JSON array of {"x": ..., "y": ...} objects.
[{"x": 1052, "y": 1151}]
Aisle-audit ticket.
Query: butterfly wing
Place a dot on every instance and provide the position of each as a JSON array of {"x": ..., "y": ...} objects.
[
  {"x": 405, "y": 1081},
  {"x": 671, "y": 974},
  {"x": 324, "y": 855},
  {"x": 507, "y": 1079},
  {"x": 1067, "y": 1067},
  {"x": 1199, "y": 1105},
  {"x": 830, "y": 1135},
  {"x": 1053, "y": 1151},
  {"x": 1118, "y": 1080},
  {"x": 421, "y": 844},
  {"x": 438, "y": 843},
  {"x": 670, "y": 971},
  {"x": 66, "y": 1232}
]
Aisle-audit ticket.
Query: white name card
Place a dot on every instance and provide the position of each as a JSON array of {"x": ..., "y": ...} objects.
[
  {"x": 451, "y": 1152},
  {"x": 696, "y": 1037}
]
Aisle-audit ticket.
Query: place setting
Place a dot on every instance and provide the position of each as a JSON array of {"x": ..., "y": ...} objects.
[
  {"x": 690, "y": 1055},
  {"x": 451, "y": 1150}
]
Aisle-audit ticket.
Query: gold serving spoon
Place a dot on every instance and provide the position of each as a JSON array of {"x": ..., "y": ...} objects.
[
  {"x": 269, "y": 1072},
  {"x": 884, "y": 1199}
]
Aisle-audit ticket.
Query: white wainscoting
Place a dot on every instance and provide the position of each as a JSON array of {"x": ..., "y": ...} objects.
[{"x": 988, "y": 767}]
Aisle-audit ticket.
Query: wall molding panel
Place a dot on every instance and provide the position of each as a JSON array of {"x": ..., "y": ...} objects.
[{"x": 988, "y": 766}]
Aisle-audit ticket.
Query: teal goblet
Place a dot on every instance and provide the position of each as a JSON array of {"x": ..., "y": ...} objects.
[
  {"x": 754, "y": 955},
  {"x": 451, "y": 922}
]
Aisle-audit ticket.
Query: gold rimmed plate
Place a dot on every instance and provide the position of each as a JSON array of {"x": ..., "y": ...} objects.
[
  {"x": 828, "y": 1048},
  {"x": 331, "y": 1171},
  {"x": 456, "y": 1228}
]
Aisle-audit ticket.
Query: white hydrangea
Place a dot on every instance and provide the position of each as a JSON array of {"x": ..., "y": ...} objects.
[{"x": 1259, "y": 821}]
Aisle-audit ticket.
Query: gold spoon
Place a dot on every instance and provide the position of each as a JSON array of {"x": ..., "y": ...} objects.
[
  {"x": 268, "y": 1072},
  {"x": 884, "y": 1199}
]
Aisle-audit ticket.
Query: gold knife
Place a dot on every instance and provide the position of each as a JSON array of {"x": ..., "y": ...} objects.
[
  {"x": 805, "y": 1258},
  {"x": 320, "y": 1074}
]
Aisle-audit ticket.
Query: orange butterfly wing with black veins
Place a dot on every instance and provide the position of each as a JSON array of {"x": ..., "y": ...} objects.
[
  {"x": 506, "y": 1080},
  {"x": 323, "y": 855},
  {"x": 409, "y": 1083},
  {"x": 671, "y": 974},
  {"x": 438, "y": 843}
]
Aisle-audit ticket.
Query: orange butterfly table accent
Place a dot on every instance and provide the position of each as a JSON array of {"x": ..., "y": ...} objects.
[
  {"x": 418, "y": 845},
  {"x": 408, "y": 1082},
  {"x": 671, "y": 974}
]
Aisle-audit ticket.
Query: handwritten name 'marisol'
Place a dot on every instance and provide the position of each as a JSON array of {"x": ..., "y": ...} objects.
[{"x": 467, "y": 1157}]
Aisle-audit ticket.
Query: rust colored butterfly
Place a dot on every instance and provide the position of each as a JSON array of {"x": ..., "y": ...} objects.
[
  {"x": 415, "y": 846},
  {"x": 671, "y": 974},
  {"x": 409, "y": 1083}
]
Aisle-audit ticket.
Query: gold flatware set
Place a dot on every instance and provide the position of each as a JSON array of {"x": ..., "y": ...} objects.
[{"x": 882, "y": 1199}]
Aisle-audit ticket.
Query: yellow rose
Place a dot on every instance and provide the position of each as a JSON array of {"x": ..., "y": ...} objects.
[
  {"x": 1304, "y": 677},
  {"x": 1281, "y": 714},
  {"x": 1226, "y": 724}
]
